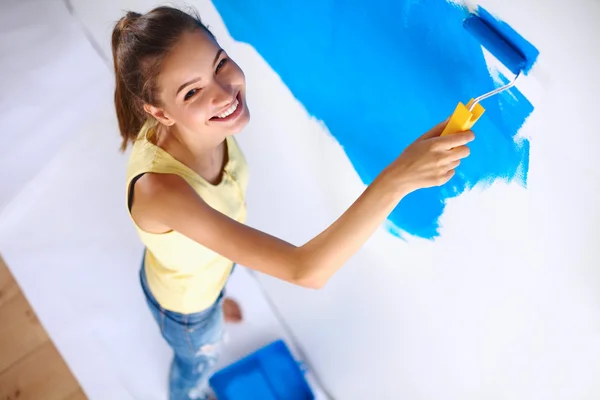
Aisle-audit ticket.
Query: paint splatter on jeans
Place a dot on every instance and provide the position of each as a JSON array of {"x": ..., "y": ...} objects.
[{"x": 195, "y": 340}]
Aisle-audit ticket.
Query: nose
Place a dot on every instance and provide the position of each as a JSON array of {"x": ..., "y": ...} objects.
[{"x": 223, "y": 93}]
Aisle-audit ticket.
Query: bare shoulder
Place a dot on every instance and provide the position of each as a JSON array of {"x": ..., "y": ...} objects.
[
  {"x": 153, "y": 185},
  {"x": 154, "y": 198}
]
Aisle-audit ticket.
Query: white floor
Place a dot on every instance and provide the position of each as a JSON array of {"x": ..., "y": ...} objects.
[{"x": 64, "y": 231}]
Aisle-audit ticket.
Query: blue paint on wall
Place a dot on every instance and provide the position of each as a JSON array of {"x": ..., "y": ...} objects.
[{"x": 379, "y": 73}]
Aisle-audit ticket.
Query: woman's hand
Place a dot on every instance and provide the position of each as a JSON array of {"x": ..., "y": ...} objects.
[{"x": 430, "y": 160}]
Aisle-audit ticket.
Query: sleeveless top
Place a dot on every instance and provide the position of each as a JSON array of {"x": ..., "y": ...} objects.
[{"x": 183, "y": 275}]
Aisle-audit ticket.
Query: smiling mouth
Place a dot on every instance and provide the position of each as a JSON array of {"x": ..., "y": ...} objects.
[{"x": 231, "y": 112}]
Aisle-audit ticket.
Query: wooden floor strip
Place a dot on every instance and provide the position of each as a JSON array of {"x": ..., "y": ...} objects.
[
  {"x": 20, "y": 331},
  {"x": 30, "y": 366},
  {"x": 8, "y": 286}
]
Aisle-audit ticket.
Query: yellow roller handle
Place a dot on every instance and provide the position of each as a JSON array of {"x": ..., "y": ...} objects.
[{"x": 462, "y": 119}]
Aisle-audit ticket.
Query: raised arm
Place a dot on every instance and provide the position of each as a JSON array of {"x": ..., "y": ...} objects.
[{"x": 168, "y": 201}]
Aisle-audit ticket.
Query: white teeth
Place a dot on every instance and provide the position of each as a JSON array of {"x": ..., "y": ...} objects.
[{"x": 230, "y": 110}]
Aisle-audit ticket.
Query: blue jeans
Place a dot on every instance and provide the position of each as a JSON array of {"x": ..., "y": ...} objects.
[{"x": 195, "y": 340}]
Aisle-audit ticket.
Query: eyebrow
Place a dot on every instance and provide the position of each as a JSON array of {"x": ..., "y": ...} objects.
[{"x": 198, "y": 79}]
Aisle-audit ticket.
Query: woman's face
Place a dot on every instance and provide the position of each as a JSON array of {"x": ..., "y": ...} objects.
[{"x": 203, "y": 92}]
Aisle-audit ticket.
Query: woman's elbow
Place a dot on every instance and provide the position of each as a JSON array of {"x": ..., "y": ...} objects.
[
  {"x": 309, "y": 279},
  {"x": 305, "y": 273},
  {"x": 314, "y": 284}
]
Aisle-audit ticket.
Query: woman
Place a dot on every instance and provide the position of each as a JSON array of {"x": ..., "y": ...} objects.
[{"x": 179, "y": 100}]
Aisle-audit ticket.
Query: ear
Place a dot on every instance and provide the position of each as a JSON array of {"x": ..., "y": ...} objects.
[{"x": 159, "y": 114}]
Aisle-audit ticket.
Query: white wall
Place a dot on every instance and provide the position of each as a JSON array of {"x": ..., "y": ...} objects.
[{"x": 505, "y": 304}]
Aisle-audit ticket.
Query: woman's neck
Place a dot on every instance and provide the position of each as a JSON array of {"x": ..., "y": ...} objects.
[{"x": 205, "y": 156}]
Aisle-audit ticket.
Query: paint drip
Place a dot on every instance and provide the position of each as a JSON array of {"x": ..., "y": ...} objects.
[{"x": 379, "y": 74}]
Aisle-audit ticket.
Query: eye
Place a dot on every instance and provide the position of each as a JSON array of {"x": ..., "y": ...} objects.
[
  {"x": 190, "y": 94},
  {"x": 221, "y": 64}
]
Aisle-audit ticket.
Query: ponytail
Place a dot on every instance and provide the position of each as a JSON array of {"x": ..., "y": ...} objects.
[
  {"x": 128, "y": 111},
  {"x": 139, "y": 44}
]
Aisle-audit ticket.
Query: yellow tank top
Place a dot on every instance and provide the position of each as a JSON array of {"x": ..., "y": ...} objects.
[{"x": 183, "y": 275}]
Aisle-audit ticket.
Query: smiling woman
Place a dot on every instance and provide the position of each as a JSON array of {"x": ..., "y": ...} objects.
[{"x": 179, "y": 100}]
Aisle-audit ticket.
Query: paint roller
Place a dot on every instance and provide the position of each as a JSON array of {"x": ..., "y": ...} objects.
[{"x": 505, "y": 44}]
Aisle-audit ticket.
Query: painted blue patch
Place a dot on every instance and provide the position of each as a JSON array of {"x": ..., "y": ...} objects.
[{"x": 379, "y": 74}]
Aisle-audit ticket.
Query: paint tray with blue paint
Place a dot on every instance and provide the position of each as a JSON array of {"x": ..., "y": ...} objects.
[{"x": 270, "y": 373}]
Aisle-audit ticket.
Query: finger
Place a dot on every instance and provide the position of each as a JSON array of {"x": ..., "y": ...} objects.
[
  {"x": 453, "y": 165},
  {"x": 435, "y": 131},
  {"x": 455, "y": 140},
  {"x": 458, "y": 153},
  {"x": 446, "y": 177}
]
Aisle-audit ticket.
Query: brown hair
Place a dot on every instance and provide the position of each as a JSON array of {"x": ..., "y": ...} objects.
[{"x": 139, "y": 44}]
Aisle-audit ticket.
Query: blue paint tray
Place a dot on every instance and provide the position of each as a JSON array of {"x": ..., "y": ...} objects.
[{"x": 270, "y": 373}]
